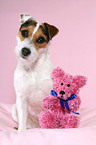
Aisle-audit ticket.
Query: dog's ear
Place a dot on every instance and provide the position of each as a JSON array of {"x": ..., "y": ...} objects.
[
  {"x": 52, "y": 30},
  {"x": 25, "y": 17}
]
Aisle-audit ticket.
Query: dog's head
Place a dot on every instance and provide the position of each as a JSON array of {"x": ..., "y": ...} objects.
[{"x": 33, "y": 38}]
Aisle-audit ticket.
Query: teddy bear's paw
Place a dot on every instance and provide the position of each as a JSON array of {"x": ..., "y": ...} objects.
[
  {"x": 74, "y": 104},
  {"x": 52, "y": 103},
  {"x": 47, "y": 120},
  {"x": 70, "y": 121}
]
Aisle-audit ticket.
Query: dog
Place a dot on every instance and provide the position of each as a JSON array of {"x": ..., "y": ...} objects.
[{"x": 32, "y": 77}]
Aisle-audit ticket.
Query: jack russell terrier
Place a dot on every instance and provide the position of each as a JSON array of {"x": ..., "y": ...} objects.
[{"x": 32, "y": 77}]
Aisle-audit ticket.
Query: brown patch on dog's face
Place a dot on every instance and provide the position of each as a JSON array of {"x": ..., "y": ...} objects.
[
  {"x": 25, "y": 32},
  {"x": 43, "y": 35},
  {"x": 26, "y": 29},
  {"x": 40, "y": 39}
]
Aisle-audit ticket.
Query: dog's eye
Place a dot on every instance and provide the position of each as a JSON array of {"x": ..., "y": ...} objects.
[
  {"x": 40, "y": 40},
  {"x": 68, "y": 85},
  {"x": 24, "y": 33}
]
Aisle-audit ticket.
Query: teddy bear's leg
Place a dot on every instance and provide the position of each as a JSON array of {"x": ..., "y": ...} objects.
[
  {"x": 69, "y": 121},
  {"x": 47, "y": 119}
]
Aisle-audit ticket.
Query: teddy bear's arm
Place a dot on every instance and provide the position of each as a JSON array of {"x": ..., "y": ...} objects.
[
  {"x": 51, "y": 102},
  {"x": 74, "y": 104}
]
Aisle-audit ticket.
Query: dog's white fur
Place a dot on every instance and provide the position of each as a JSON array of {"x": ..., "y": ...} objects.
[{"x": 32, "y": 81}]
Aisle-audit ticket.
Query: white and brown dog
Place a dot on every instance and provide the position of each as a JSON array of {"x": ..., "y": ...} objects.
[{"x": 32, "y": 78}]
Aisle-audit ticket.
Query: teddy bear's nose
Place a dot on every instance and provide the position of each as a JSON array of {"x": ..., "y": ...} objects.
[{"x": 62, "y": 92}]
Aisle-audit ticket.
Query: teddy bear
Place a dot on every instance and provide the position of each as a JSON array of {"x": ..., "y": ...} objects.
[{"x": 60, "y": 107}]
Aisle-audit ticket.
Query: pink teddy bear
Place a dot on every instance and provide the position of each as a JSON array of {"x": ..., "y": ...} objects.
[{"x": 60, "y": 107}]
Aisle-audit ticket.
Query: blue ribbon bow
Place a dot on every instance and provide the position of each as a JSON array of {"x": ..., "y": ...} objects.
[{"x": 62, "y": 101}]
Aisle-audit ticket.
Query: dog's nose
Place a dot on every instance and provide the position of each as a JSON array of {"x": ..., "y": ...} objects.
[
  {"x": 25, "y": 51},
  {"x": 62, "y": 92}
]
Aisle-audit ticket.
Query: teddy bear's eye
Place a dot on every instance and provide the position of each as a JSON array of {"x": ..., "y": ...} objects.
[
  {"x": 61, "y": 84},
  {"x": 68, "y": 85}
]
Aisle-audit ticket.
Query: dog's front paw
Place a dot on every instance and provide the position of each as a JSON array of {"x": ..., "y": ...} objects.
[{"x": 21, "y": 130}]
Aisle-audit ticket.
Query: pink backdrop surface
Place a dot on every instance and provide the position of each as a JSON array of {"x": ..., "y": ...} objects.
[{"x": 73, "y": 49}]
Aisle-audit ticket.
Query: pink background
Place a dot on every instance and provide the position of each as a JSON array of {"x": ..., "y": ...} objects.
[{"x": 74, "y": 48}]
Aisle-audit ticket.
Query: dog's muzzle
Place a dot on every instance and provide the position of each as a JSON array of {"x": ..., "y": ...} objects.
[{"x": 25, "y": 52}]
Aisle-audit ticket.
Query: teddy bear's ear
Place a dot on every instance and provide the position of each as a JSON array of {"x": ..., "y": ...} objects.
[
  {"x": 57, "y": 72},
  {"x": 80, "y": 81}
]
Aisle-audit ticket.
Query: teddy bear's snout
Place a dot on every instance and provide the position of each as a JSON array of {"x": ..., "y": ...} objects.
[{"x": 62, "y": 93}]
